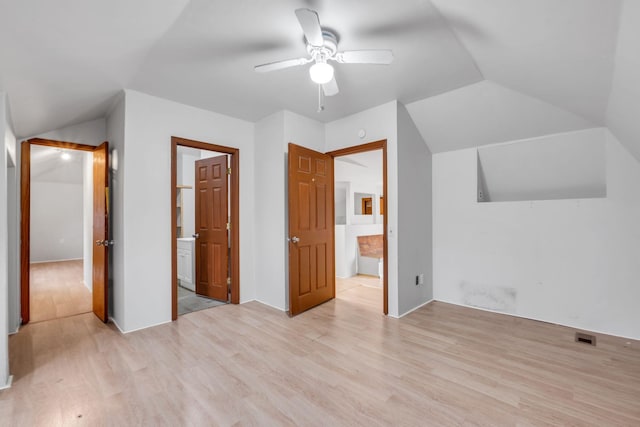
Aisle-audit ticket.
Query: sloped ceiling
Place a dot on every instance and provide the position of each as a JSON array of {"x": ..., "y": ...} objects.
[
  {"x": 559, "y": 51},
  {"x": 540, "y": 65},
  {"x": 486, "y": 113},
  {"x": 217, "y": 44},
  {"x": 365, "y": 166},
  {"x": 47, "y": 165},
  {"x": 62, "y": 61}
]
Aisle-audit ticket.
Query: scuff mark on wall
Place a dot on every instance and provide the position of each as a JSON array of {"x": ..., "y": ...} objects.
[{"x": 496, "y": 298}]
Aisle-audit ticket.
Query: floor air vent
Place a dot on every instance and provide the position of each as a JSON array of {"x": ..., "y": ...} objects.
[{"x": 585, "y": 338}]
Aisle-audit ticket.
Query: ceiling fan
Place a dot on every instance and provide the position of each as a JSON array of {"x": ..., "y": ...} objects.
[{"x": 322, "y": 46}]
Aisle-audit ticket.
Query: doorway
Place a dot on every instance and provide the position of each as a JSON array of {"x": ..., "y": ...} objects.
[
  {"x": 359, "y": 236},
  {"x": 366, "y": 208},
  {"x": 51, "y": 283},
  {"x": 205, "y": 225},
  {"x": 312, "y": 240}
]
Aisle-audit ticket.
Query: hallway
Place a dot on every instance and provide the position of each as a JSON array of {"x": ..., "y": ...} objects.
[{"x": 57, "y": 290}]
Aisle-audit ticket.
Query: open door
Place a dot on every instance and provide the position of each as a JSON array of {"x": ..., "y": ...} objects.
[
  {"x": 100, "y": 221},
  {"x": 212, "y": 236},
  {"x": 311, "y": 235},
  {"x": 101, "y": 231}
]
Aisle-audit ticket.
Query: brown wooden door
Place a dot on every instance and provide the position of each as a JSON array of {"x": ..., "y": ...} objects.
[
  {"x": 212, "y": 243},
  {"x": 101, "y": 231},
  {"x": 311, "y": 257}
]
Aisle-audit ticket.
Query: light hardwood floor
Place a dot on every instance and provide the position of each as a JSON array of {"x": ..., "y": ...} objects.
[
  {"x": 343, "y": 363},
  {"x": 57, "y": 290},
  {"x": 362, "y": 290}
]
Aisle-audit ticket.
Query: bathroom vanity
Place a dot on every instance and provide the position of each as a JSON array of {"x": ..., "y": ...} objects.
[{"x": 186, "y": 263}]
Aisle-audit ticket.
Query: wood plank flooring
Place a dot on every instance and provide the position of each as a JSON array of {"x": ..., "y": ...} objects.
[
  {"x": 57, "y": 290},
  {"x": 362, "y": 290},
  {"x": 342, "y": 363}
]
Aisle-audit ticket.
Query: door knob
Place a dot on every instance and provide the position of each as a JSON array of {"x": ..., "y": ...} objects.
[
  {"x": 99, "y": 242},
  {"x": 295, "y": 239},
  {"x": 196, "y": 235}
]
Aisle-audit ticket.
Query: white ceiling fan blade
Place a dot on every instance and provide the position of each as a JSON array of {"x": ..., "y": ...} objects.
[
  {"x": 310, "y": 24},
  {"x": 279, "y": 65},
  {"x": 365, "y": 57},
  {"x": 331, "y": 88}
]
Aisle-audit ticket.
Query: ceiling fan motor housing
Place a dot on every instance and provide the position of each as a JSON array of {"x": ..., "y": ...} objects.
[{"x": 328, "y": 50}]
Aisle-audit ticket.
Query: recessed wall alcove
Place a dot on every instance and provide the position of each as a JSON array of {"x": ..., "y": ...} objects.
[{"x": 551, "y": 169}]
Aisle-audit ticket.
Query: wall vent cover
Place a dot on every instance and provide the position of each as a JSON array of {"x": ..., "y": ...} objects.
[{"x": 585, "y": 338}]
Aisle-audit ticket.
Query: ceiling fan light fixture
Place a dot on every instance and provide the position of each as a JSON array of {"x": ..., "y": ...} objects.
[{"x": 321, "y": 73}]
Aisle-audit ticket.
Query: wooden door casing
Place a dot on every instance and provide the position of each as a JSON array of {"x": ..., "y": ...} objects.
[
  {"x": 212, "y": 245},
  {"x": 100, "y": 231},
  {"x": 234, "y": 234},
  {"x": 311, "y": 220},
  {"x": 100, "y": 259},
  {"x": 371, "y": 146}
]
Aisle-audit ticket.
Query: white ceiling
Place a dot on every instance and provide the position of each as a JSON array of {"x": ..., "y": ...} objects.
[
  {"x": 541, "y": 65},
  {"x": 366, "y": 166},
  {"x": 485, "y": 113},
  {"x": 62, "y": 61},
  {"x": 217, "y": 43},
  {"x": 47, "y": 165},
  {"x": 559, "y": 51}
]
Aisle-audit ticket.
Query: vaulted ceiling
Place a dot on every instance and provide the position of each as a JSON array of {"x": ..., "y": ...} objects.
[{"x": 471, "y": 72}]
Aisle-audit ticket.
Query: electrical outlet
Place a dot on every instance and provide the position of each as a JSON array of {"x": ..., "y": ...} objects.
[{"x": 421, "y": 279}]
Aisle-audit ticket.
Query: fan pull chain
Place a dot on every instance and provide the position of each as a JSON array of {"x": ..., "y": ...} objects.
[{"x": 320, "y": 99}]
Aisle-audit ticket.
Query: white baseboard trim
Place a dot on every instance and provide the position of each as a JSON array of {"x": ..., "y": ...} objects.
[
  {"x": 8, "y": 384},
  {"x": 137, "y": 329},
  {"x": 112, "y": 320},
  {"x": 412, "y": 310},
  {"x": 564, "y": 325},
  {"x": 270, "y": 305},
  {"x": 56, "y": 260},
  {"x": 86, "y": 286},
  {"x": 16, "y": 330}
]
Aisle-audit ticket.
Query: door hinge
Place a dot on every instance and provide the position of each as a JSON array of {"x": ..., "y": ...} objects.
[
  {"x": 228, "y": 284},
  {"x": 228, "y": 226},
  {"x": 228, "y": 171}
]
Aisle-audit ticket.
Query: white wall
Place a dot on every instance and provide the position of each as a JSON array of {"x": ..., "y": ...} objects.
[
  {"x": 571, "y": 262},
  {"x": 563, "y": 166},
  {"x": 7, "y": 150},
  {"x": 270, "y": 205},
  {"x": 414, "y": 215},
  {"x": 115, "y": 134},
  {"x": 149, "y": 124},
  {"x": 624, "y": 102},
  {"x": 360, "y": 180},
  {"x": 357, "y": 179},
  {"x": 379, "y": 123},
  {"x": 186, "y": 176},
  {"x": 272, "y": 136},
  {"x": 87, "y": 219},
  {"x": 347, "y": 249},
  {"x": 13, "y": 221},
  {"x": 92, "y": 132},
  {"x": 56, "y": 221},
  {"x": 13, "y": 225}
]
